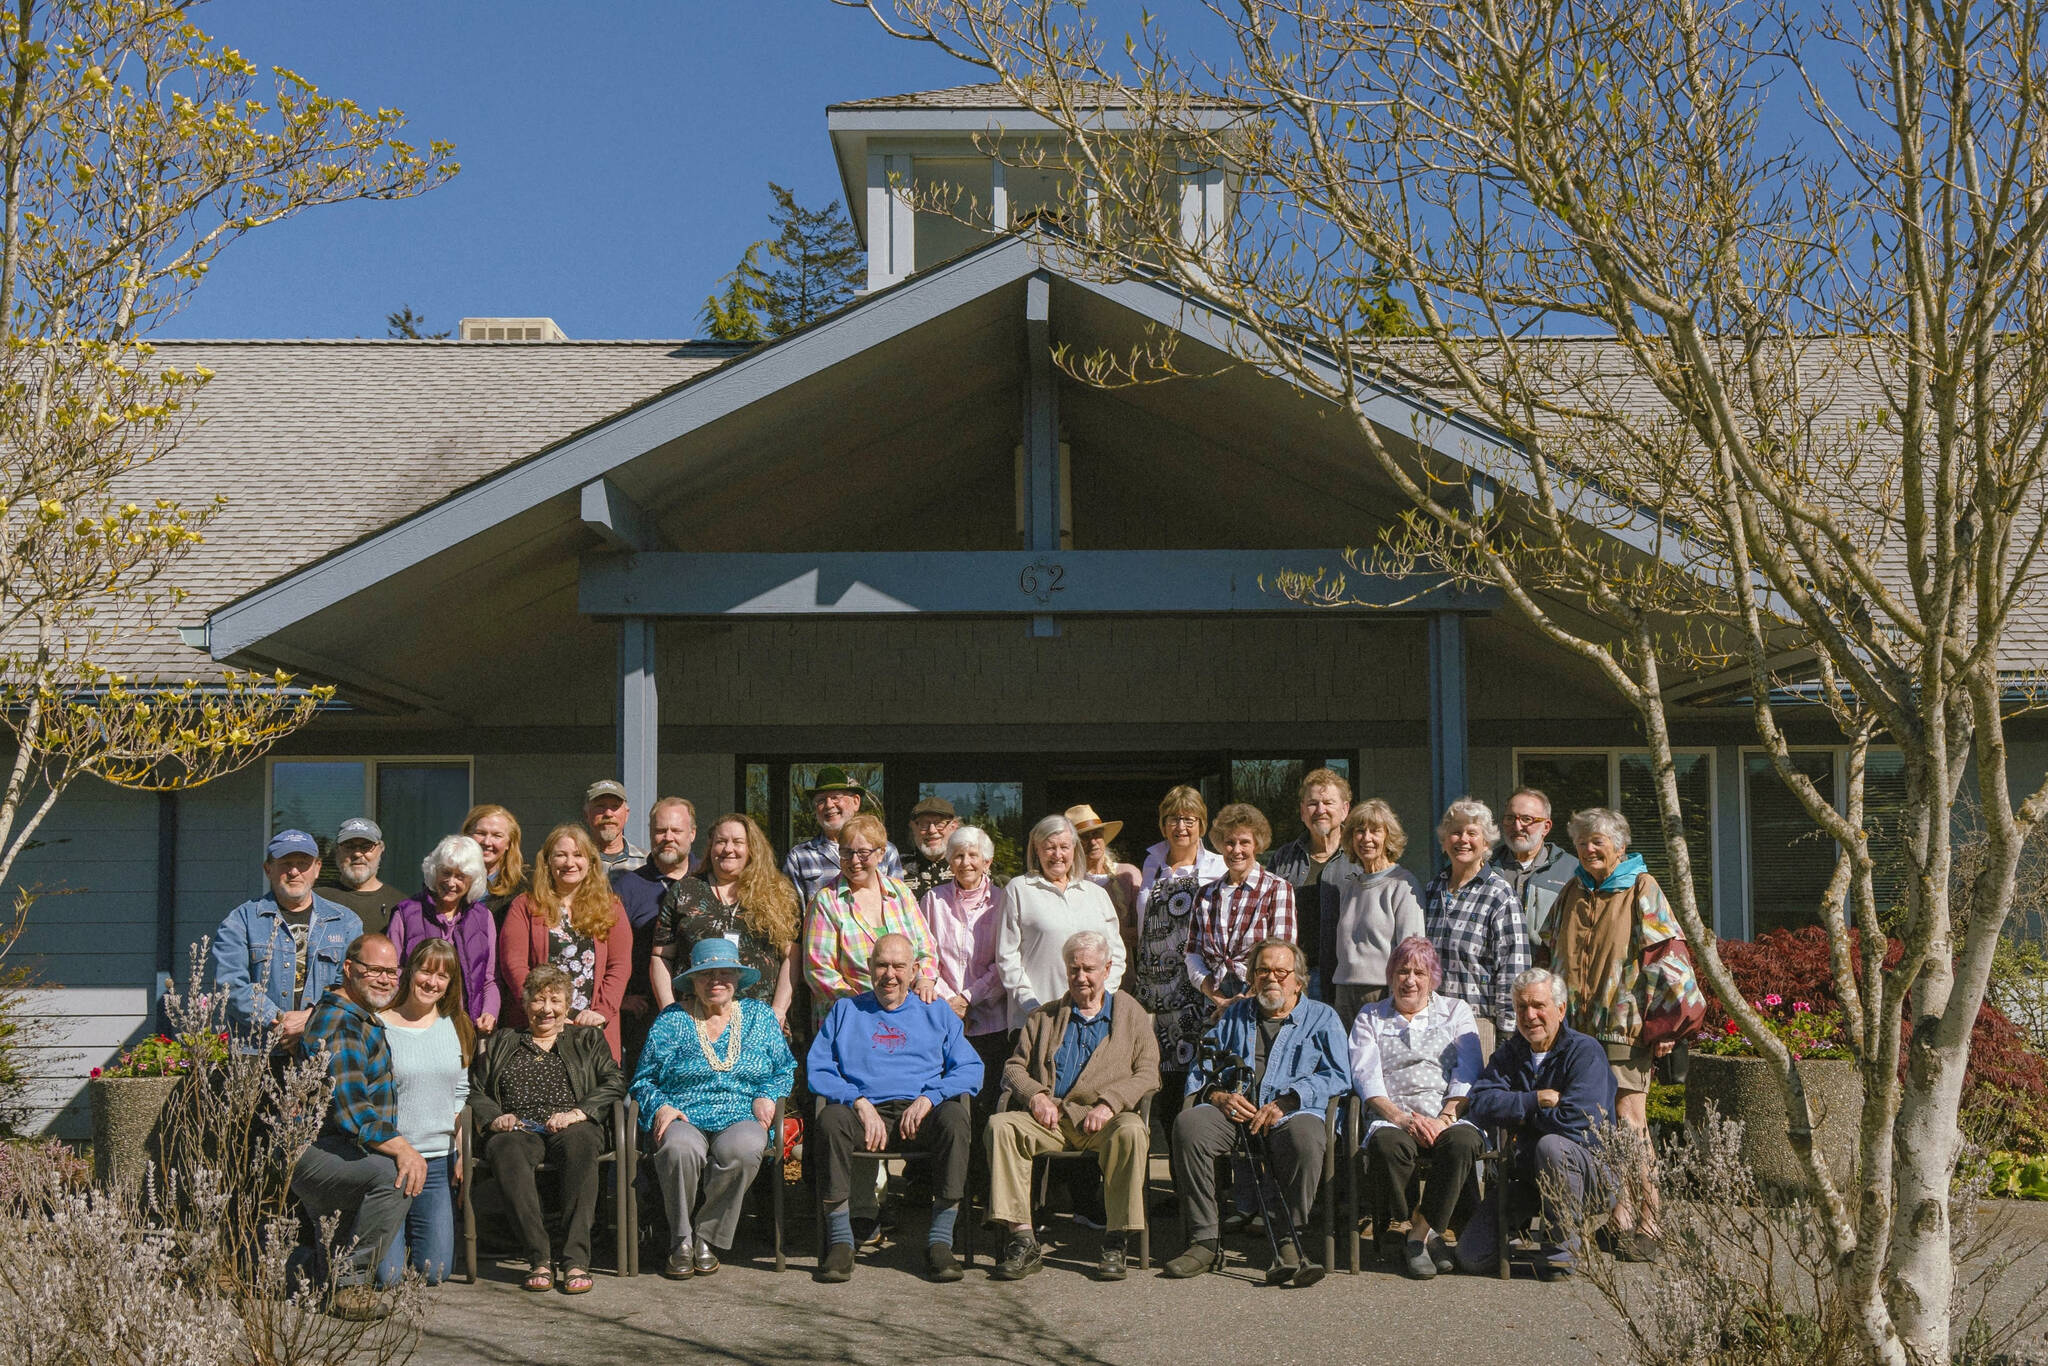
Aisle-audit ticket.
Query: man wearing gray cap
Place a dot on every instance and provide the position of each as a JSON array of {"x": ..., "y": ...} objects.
[
  {"x": 358, "y": 855},
  {"x": 276, "y": 955},
  {"x": 932, "y": 821},
  {"x": 605, "y": 814}
]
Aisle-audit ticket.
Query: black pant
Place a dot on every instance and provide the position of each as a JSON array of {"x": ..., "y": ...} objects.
[
  {"x": 572, "y": 1153},
  {"x": 947, "y": 1134},
  {"x": 1167, "y": 1105},
  {"x": 1392, "y": 1157}
]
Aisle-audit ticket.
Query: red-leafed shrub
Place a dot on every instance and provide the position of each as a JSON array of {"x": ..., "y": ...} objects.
[{"x": 2005, "y": 1092}]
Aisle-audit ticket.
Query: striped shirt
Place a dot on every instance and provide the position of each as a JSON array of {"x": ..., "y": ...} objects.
[
  {"x": 1479, "y": 935},
  {"x": 1229, "y": 920}
]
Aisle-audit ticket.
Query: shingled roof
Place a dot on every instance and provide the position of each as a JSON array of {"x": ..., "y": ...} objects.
[{"x": 316, "y": 444}]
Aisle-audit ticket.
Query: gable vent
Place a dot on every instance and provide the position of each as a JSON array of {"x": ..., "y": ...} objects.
[{"x": 510, "y": 329}]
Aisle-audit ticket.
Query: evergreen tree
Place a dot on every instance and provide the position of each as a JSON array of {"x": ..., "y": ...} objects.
[
  {"x": 410, "y": 325},
  {"x": 733, "y": 313},
  {"x": 816, "y": 262}
]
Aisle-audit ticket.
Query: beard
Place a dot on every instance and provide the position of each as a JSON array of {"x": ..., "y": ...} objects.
[
  {"x": 668, "y": 859},
  {"x": 352, "y": 878},
  {"x": 935, "y": 852},
  {"x": 379, "y": 999},
  {"x": 1524, "y": 845},
  {"x": 1272, "y": 999}
]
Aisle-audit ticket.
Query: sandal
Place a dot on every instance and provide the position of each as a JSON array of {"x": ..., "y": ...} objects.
[
  {"x": 539, "y": 1279},
  {"x": 576, "y": 1282}
]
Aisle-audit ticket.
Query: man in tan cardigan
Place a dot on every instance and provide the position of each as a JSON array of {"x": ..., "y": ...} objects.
[{"x": 1082, "y": 1065}]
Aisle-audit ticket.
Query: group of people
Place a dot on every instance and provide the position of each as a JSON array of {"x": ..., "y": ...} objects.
[{"x": 1231, "y": 991}]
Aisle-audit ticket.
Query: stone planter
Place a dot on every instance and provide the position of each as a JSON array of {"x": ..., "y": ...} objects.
[
  {"x": 1743, "y": 1089},
  {"x": 127, "y": 1115}
]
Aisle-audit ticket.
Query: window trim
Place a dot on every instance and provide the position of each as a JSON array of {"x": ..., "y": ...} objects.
[
  {"x": 369, "y": 763},
  {"x": 1840, "y": 778},
  {"x": 1614, "y": 756}
]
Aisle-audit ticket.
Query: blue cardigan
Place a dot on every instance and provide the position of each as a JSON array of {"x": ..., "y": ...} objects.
[
  {"x": 1311, "y": 1058},
  {"x": 674, "y": 1071},
  {"x": 1575, "y": 1067}
]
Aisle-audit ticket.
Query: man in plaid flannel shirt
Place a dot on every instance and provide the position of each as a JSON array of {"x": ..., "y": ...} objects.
[{"x": 360, "y": 1167}]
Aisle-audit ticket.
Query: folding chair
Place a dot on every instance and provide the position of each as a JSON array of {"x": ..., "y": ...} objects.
[
  {"x": 814, "y": 1158},
  {"x": 1357, "y": 1120},
  {"x": 771, "y": 1161},
  {"x": 1041, "y": 1173},
  {"x": 623, "y": 1156}
]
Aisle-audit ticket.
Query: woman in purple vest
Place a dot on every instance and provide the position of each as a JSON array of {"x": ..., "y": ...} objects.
[{"x": 450, "y": 907}]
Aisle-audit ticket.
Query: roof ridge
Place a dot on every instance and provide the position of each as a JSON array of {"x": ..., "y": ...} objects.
[{"x": 700, "y": 343}]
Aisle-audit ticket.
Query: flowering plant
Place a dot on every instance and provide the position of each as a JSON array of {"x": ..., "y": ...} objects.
[
  {"x": 166, "y": 1055},
  {"x": 1805, "y": 1031}
]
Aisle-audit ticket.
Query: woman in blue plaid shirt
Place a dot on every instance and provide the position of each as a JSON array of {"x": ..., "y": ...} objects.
[{"x": 1475, "y": 921}]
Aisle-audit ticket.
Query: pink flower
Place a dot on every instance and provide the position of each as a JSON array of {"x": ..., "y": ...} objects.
[
  {"x": 1802, "y": 1007},
  {"x": 1774, "y": 999}
]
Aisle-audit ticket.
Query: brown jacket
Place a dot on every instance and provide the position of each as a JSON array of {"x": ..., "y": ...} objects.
[{"x": 1121, "y": 1071}]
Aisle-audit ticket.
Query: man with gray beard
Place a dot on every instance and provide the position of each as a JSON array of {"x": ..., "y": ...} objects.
[
  {"x": 360, "y": 1167},
  {"x": 1535, "y": 868},
  {"x": 358, "y": 857}
]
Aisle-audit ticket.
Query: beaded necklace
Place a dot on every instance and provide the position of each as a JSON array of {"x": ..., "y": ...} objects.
[{"x": 732, "y": 1044}]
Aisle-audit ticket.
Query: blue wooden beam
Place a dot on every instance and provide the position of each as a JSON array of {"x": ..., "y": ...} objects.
[
  {"x": 623, "y": 523},
  {"x": 639, "y": 717},
  {"x": 1042, "y": 493},
  {"x": 1449, "y": 772},
  {"x": 991, "y": 583}
]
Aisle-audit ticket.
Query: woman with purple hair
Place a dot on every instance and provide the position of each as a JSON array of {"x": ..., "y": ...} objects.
[{"x": 1414, "y": 1056}]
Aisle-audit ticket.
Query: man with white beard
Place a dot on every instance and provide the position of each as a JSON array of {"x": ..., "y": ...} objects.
[
  {"x": 358, "y": 856},
  {"x": 360, "y": 1167},
  {"x": 932, "y": 823},
  {"x": 1535, "y": 868}
]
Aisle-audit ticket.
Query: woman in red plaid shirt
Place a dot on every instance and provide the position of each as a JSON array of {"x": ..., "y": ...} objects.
[{"x": 1247, "y": 904}]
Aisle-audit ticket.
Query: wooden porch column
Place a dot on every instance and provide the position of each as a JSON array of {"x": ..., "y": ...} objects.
[
  {"x": 639, "y": 717},
  {"x": 1448, "y": 773}
]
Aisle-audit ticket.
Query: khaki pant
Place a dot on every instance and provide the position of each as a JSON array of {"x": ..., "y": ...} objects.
[{"x": 1014, "y": 1138}]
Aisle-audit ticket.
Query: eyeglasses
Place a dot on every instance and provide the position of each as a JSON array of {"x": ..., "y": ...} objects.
[
  {"x": 861, "y": 855},
  {"x": 1277, "y": 974},
  {"x": 1182, "y": 820},
  {"x": 372, "y": 971},
  {"x": 1514, "y": 819}
]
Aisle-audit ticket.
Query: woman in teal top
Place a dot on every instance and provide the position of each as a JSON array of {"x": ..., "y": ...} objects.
[
  {"x": 428, "y": 1031},
  {"x": 710, "y": 1073}
]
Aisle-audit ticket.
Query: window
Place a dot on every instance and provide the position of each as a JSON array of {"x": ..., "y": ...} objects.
[
  {"x": 414, "y": 801},
  {"x": 1791, "y": 859},
  {"x": 1274, "y": 786},
  {"x": 997, "y": 808},
  {"x": 802, "y": 824},
  {"x": 952, "y": 196},
  {"x": 1623, "y": 781},
  {"x": 758, "y": 804}
]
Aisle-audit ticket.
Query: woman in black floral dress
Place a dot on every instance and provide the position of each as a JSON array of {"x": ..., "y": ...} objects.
[
  {"x": 741, "y": 897},
  {"x": 1175, "y": 870}
]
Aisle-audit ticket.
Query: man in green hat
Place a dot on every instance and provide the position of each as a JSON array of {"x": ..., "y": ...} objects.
[{"x": 815, "y": 863}]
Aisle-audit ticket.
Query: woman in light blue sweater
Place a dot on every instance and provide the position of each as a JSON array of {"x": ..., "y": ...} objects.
[
  {"x": 710, "y": 1073},
  {"x": 432, "y": 1041}
]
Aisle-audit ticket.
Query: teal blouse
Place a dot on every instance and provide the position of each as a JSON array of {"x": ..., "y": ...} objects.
[{"x": 675, "y": 1071}]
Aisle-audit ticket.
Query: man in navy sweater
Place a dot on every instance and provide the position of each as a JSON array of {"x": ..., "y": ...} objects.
[
  {"x": 886, "y": 1063},
  {"x": 1551, "y": 1088}
]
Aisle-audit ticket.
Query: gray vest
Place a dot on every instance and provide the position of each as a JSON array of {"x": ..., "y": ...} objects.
[{"x": 1416, "y": 1063}]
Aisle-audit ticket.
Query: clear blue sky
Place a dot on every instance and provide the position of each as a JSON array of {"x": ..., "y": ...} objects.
[{"x": 615, "y": 156}]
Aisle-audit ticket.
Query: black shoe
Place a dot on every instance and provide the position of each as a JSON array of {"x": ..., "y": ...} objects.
[
  {"x": 1199, "y": 1259},
  {"x": 837, "y": 1265},
  {"x": 941, "y": 1265},
  {"x": 678, "y": 1266},
  {"x": 867, "y": 1232},
  {"x": 1114, "y": 1266},
  {"x": 1022, "y": 1256},
  {"x": 1284, "y": 1266},
  {"x": 1417, "y": 1264}
]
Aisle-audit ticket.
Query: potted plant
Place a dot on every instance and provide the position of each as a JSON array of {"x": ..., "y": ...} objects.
[
  {"x": 128, "y": 1099},
  {"x": 1727, "y": 1075}
]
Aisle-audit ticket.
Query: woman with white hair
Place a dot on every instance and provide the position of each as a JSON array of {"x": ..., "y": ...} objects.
[
  {"x": 1052, "y": 901},
  {"x": 965, "y": 914},
  {"x": 451, "y": 906},
  {"x": 1475, "y": 921}
]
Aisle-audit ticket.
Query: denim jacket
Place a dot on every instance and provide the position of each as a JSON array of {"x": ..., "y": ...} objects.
[
  {"x": 255, "y": 964},
  {"x": 1310, "y": 1059}
]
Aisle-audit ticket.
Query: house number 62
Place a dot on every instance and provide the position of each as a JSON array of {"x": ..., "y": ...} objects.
[{"x": 1041, "y": 579}]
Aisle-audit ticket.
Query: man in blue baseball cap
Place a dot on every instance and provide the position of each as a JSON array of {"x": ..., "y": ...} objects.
[{"x": 276, "y": 955}]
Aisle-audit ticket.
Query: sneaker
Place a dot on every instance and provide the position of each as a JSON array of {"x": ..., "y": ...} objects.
[
  {"x": 678, "y": 1266},
  {"x": 1635, "y": 1247},
  {"x": 837, "y": 1265},
  {"x": 1417, "y": 1264},
  {"x": 941, "y": 1265},
  {"x": 1022, "y": 1256},
  {"x": 1199, "y": 1259},
  {"x": 358, "y": 1304},
  {"x": 1115, "y": 1264}
]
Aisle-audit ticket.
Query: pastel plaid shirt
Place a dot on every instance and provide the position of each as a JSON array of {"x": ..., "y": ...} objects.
[
  {"x": 814, "y": 865},
  {"x": 1479, "y": 935},
  {"x": 365, "y": 1101},
  {"x": 1229, "y": 920},
  {"x": 837, "y": 943}
]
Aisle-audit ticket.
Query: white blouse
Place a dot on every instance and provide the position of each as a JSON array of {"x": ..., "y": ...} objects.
[
  {"x": 1038, "y": 919},
  {"x": 1417, "y": 1064}
]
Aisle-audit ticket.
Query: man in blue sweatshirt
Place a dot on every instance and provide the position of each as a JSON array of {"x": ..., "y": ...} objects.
[
  {"x": 885, "y": 1063},
  {"x": 1552, "y": 1089}
]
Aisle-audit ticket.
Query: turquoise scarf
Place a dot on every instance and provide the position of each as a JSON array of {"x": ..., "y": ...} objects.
[{"x": 1624, "y": 875}]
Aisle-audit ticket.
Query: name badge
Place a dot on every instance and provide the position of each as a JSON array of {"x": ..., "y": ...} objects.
[{"x": 734, "y": 936}]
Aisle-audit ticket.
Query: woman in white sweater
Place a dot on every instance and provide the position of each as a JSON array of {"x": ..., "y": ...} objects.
[
  {"x": 1379, "y": 904},
  {"x": 1044, "y": 908},
  {"x": 431, "y": 1041}
]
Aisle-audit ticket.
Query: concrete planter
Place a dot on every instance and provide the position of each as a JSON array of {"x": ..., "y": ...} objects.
[
  {"x": 127, "y": 1128},
  {"x": 1743, "y": 1089}
]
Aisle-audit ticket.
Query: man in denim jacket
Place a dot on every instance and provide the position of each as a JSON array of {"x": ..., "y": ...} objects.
[
  {"x": 1300, "y": 1060},
  {"x": 277, "y": 955}
]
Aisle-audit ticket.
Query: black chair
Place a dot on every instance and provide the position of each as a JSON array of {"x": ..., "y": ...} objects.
[
  {"x": 1041, "y": 1173},
  {"x": 771, "y": 1161},
  {"x": 623, "y": 1156},
  {"x": 1325, "y": 1212},
  {"x": 814, "y": 1158},
  {"x": 1357, "y": 1120}
]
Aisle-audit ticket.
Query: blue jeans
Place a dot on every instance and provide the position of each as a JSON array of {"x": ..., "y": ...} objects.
[{"x": 428, "y": 1236}]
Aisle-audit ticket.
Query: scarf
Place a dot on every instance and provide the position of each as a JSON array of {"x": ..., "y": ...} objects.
[{"x": 1624, "y": 875}]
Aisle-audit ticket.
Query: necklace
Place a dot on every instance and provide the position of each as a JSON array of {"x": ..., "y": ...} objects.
[{"x": 732, "y": 1044}]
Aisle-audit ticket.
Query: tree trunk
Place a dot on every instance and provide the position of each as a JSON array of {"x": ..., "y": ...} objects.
[{"x": 1921, "y": 1278}]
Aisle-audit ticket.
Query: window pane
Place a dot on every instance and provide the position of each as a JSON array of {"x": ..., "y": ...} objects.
[
  {"x": 757, "y": 796},
  {"x": 1695, "y": 805},
  {"x": 1884, "y": 796},
  {"x": 316, "y": 798},
  {"x": 997, "y": 808},
  {"x": 802, "y": 824},
  {"x": 1572, "y": 782},
  {"x": 1790, "y": 859},
  {"x": 953, "y": 195},
  {"x": 1273, "y": 786},
  {"x": 416, "y": 805}
]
